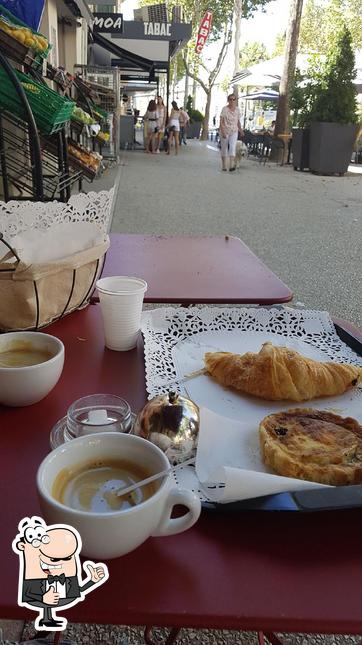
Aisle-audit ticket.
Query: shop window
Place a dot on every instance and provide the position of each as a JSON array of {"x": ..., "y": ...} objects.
[{"x": 103, "y": 8}]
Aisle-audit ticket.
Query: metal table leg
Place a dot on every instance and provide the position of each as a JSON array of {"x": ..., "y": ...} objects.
[
  {"x": 171, "y": 638},
  {"x": 271, "y": 638}
]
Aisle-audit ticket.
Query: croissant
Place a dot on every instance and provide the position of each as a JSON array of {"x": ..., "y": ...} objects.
[{"x": 279, "y": 373}]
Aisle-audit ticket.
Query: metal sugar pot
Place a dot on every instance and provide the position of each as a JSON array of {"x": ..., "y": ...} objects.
[{"x": 171, "y": 422}]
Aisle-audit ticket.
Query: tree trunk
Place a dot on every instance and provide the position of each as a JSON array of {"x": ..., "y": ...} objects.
[
  {"x": 186, "y": 86},
  {"x": 174, "y": 80},
  {"x": 194, "y": 88},
  {"x": 290, "y": 55},
  {"x": 186, "y": 89},
  {"x": 237, "y": 30},
  {"x": 205, "y": 125}
]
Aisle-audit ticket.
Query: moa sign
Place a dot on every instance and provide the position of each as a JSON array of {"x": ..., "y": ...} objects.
[{"x": 108, "y": 23}]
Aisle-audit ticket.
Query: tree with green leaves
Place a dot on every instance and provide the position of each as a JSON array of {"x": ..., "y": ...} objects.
[
  {"x": 196, "y": 66},
  {"x": 335, "y": 94},
  {"x": 322, "y": 18},
  {"x": 177, "y": 71},
  {"x": 279, "y": 45},
  {"x": 222, "y": 33},
  {"x": 320, "y": 21},
  {"x": 327, "y": 93},
  {"x": 225, "y": 84},
  {"x": 252, "y": 53}
]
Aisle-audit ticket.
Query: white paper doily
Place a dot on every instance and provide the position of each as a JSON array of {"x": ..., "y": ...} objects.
[
  {"x": 164, "y": 328},
  {"x": 17, "y": 216}
]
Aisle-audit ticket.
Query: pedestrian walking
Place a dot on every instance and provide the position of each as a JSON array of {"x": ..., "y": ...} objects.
[
  {"x": 151, "y": 130},
  {"x": 184, "y": 120},
  {"x": 229, "y": 127},
  {"x": 174, "y": 127},
  {"x": 161, "y": 122}
]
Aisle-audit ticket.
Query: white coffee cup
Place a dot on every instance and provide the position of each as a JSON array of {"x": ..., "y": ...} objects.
[
  {"x": 24, "y": 385},
  {"x": 121, "y": 300},
  {"x": 112, "y": 534}
]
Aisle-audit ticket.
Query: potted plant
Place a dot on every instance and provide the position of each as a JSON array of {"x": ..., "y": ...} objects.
[
  {"x": 196, "y": 119},
  {"x": 333, "y": 110}
]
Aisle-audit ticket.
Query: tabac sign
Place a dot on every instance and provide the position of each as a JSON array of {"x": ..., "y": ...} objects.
[
  {"x": 204, "y": 30},
  {"x": 108, "y": 23},
  {"x": 157, "y": 28},
  {"x": 152, "y": 30}
]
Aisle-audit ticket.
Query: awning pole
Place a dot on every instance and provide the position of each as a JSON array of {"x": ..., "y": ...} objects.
[
  {"x": 246, "y": 102},
  {"x": 168, "y": 81},
  {"x": 117, "y": 115}
]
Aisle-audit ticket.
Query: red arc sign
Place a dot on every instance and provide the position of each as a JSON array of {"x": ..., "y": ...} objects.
[{"x": 204, "y": 30}]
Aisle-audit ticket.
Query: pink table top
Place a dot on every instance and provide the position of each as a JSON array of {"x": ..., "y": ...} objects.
[
  {"x": 275, "y": 571},
  {"x": 195, "y": 269}
]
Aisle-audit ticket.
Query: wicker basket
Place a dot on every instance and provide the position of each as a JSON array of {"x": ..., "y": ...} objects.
[{"x": 35, "y": 295}]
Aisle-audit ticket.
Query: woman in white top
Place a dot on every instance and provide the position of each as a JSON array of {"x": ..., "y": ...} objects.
[
  {"x": 161, "y": 122},
  {"x": 174, "y": 127},
  {"x": 229, "y": 128},
  {"x": 150, "y": 120}
]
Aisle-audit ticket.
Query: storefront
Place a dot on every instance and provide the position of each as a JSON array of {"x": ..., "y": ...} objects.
[{"x": 140, "y": 49}]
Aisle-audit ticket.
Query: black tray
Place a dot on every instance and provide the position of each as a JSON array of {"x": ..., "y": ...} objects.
[{"x": 317, "y": 499}]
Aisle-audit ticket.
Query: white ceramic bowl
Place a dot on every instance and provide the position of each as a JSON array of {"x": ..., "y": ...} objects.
[{"x": 26, "y": 385}]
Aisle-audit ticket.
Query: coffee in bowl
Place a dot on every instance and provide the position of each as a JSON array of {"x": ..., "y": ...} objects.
[
  {"x": 93, "y": 485},
  {"x": 73, "y": 478},
  {"x": 30, "y": 366},
  {"x": 22, "y": 353}
]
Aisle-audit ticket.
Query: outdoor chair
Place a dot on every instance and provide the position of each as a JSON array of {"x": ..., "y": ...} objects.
[
  {"x": 253, "y": 142},
  {"x": 270, "y": 145}
]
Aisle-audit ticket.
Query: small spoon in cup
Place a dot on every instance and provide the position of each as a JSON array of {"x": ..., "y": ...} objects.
[{"x": 121, "y": 492}]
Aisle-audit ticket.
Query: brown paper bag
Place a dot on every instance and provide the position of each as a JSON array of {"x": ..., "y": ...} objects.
[{"x": 33, "y": 296}]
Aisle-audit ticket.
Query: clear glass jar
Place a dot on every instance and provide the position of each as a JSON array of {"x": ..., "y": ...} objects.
[{"x": 91, "y": 414}]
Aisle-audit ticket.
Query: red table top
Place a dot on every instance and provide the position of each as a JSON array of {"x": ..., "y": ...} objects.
[
  {"x": 249, "y": 570},
  {"x": 203, "y": 269}
]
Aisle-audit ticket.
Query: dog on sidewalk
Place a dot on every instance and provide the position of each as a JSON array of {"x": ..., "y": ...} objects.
[{"x": 240, "y": 151}]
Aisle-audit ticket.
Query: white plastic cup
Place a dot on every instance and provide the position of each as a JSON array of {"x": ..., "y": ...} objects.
[{"x": 121, "y": 300}]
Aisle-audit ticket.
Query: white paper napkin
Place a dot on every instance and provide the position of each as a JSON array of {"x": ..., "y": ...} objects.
[
  {"x": 228, "y": 455},
  {"x": 36, "y": 246}
]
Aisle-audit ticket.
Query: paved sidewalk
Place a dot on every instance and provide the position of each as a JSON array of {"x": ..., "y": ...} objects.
[{"x": 306, "y": 228}]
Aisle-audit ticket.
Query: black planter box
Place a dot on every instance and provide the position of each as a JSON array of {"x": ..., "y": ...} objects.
[
  {"x": 300, "y": 148},
  {"x": 331, "y": 146},
  {"x": 193, "y": 130}
]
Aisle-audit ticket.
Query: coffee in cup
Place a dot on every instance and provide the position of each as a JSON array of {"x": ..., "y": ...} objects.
[
  {"x": 93, "y": 485},
  {"x": 67, "y": 474}
]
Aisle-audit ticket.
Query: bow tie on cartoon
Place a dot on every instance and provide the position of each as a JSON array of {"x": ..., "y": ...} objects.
[{"x": 60, "y": 578}]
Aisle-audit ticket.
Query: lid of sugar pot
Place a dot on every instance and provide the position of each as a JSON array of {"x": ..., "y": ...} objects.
[{"x": 171, "y": 421}]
